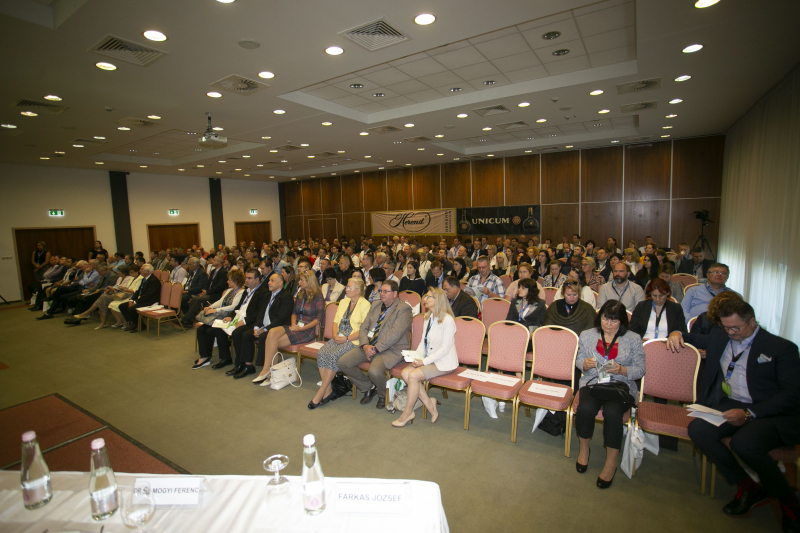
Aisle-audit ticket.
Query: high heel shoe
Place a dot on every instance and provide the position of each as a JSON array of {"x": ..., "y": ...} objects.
[
  {"x": 409, "y": 421},
  {"x": 582, "y": 468},
  {"x": 603, "y": 484},
  {"x": 329, "y": 398},
  {"x": 434, "y": 412},
  {"x": 261, "y": 378},
  {"x": 312, "y": 405}
]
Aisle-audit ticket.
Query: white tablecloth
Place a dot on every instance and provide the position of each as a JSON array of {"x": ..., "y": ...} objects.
[{"x": 229, "y": 504}]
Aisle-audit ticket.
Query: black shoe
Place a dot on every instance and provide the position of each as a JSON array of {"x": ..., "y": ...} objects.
[
  {"x": 381, "y": 403},
  {"x": 198, "y": 364},
  {"x": 665, "y": 442},
  {"x": 73, "y": 321},
  {"x": 35, "y": 308},
  {"x": 222, "y": 364},
  {"x": 312, "y": 405},
  {"x": 329, "y": 398},
  {"x": 45, "y": 316},
  {"x": 134, "y": 329},
  {"x": 790, "y": 522},
  {"x": 582, "y": 468},
  {"x": 744, "y": 502},
  {"x": 369, "y": 395},
  {"x": 603, "y": 484},
  {"x": 246, "y": 371},
  {"x": 235, "y": 370}
]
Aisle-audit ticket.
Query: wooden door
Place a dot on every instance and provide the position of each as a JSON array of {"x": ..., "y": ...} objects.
[
  {"x": 260, "y": 232},
  {"x": 314, "y": 229},
  {"x": 74, "y": 242},
  {"x": 162, "y": 236}
]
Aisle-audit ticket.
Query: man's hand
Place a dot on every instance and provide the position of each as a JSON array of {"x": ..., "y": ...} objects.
[
  {"x": 226, "y": 319},
  {"x": 735, "y": 417},
  {"x": 202, "y": 293},
  {"x": 675, "y": 341},
  {"x": 369, "y": 351},
  {"x": 486, "y": 291}
]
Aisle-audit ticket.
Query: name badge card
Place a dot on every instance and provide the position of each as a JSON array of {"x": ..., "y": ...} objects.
[
  {"x": 372, "y": 498},
  {"x": 168, "y": 491}
]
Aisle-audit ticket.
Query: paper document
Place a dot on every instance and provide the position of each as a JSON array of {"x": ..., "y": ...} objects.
[
  {"x": 507, "y": 381},
  {"x": 717, "y": 420},
  {"x": 316, "y": 345},
  {"x": 703, "y": 409},
  {"x": 218, "y": 323},
  {"x": 473, "y": 374},
  {"x": 162, "y": 311},
  {"x": 549, "y": 390},
  {"x": 410, "y": 355},
  {"x": 151, "y": 308}
]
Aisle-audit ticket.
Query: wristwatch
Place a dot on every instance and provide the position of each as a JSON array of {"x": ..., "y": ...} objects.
[{"x": 748, "y": 415}]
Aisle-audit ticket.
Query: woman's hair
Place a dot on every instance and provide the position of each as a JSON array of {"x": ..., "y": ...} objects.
[
  {"x": 615, "y": 310},
  {"x": 122, "y": 270},
  {"x": 533, "y": 290},
  {"x": 44, "y": 246},
  {"x": 666, "y": 268},
  {"x": 237, "y": 277},
  {"x": 633, "y": 252},
  {"x": 462, "y": 263},
  {"x": 715, "y": 303},
  {"x": 590, "y": 261},
  {"x": 654, "y": 264},
  {"x": 416, "y": 269},
  {"x": 555, "y": 262},
  {"x": 526, "y": 266},
  {"x": 328, "y": 274},
  {"x": 657, "y": 284},
  {"x": 358, "y": 282},
  {"x": 377, "y": 275},
  {"x": 571, "y": 284},
  {"x": 442, "y": 305},
  {"x": 133, "y": 268},
  {"x": 312, "y": 286},
  {"x": 255, "y": 262},
  {"x": 492, "y": 247},
  {"x": 504, "y": 259},
  {"x": 289, "y": 270}
]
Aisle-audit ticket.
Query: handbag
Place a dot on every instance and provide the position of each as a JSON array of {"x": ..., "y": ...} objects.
[
  {"x": 615, "y": 391},
  {"x": 206, "y": 319},
  {"x": 340, "y": 385},
  {"x": 284, "y": 373},
  {"x": 401, "y": 400}
]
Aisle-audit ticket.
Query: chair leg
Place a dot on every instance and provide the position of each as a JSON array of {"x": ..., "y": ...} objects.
[
  {"x": 424, "y": 408},
  {"x": 467, "y": 396},
  {"x": 444, "y": 394},
  {"x": 527, "y": 411},
  {"x": 703, "y": 476},
  {"x": 713, "y": 479},
  {"x": 568, "y": 444},
  {"x": 158, "y": 328},
  {"x": 514, "y": 414}
]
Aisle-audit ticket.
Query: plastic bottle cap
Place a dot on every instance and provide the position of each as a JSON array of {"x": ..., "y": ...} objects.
[
  {"x": 28, "y": 436},
  {"x": 98, "y": 443},
  {"x": 309, "y": 440}
]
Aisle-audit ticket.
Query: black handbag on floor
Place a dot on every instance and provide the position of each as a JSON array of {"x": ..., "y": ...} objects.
[
  {"x": 341, "y": 385},
  {"x": 554, "y": 423},
  {"x": 615, "y": 391}
]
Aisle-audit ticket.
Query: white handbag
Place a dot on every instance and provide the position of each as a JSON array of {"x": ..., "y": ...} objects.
[{"x": 284, "y": 373}]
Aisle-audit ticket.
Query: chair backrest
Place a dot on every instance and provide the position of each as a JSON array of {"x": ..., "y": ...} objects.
[
  {"x": 508, "y": 345},
  {"x": 410, "y": 297},
  {"x": 691, "y": 323},
  {"x": 687, "y": 287},
  {"x": 683, "y": 279},
  {"x": 469, "y": 340},
  {"x": 477, "y": 302},
  {"x": 554, "y": 352},
  {"x": 507, "y": 280},
  {"x": 550, "y": 295},
  {"x": 595, "y": 296},
  {"x": 165, "y": 275},
  {"x": 670, "y": 375},
  {"x": 494, "y": 310},
  {"x": 596, "y": 300},
  {"x": 176, "y": 293},
  {"x": 671, "y": 299},
  {"x": 416, "y": 330},
  {"x": 630, "y": 315},
  {"x": 464, "y": 285},
  {"x": 330, "y": 313},
  {"x": 157, "y": 274},
  {"x": 166, "y": 295}
]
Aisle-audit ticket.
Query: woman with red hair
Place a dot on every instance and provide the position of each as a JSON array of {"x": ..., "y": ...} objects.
[{"x": 657, "y": 316}]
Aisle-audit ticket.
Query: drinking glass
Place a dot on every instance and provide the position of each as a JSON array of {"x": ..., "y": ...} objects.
[
  {"x": 279, "y": 487},
  {"x": 137, "y": 505}
]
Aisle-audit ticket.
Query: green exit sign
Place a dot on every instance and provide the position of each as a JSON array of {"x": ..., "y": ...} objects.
[
  {"x": 254, "y": 211},
  {"x": 173, "y": 212},
  {"x": 56, "y": 212}
]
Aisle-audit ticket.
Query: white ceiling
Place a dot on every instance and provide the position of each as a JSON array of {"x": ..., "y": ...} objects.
[{"x": 749, "y": 46}]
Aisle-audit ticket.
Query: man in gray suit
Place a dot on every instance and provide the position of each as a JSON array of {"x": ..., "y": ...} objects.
[{"x": 383, "y": 335}]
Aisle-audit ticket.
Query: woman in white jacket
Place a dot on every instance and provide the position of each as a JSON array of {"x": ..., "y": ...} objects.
[{"x": 435, "y": 355}]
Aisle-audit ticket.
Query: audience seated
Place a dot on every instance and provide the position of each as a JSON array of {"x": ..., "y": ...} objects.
[
  {"x": 525, "y": 271},
  {"x": 648, "y": 272},
  {"x": 65, "y": 296},
  {"x": 412, "y": 280},
  {"x": 526, "y": 306},
  {"x": 196, "y": 283},
  {"x": 148, "y": 293},
  {"x": 620, "y": 288},
  {"x": 436, "y": 275},
  {"x": 87, "y": 297},
  {"x": 570, "y": 311},
  {"x": 589, "y": 275},
  {"x": 665, "y": 272},
  {"x": 633, "y": 260},
  {"x": 555, "y": 278},
  {"x": 375, "y": 278},
  {"x": 696, "y": 299},
  {"x": 332, "y": 290},
  {"x": 122, "y": 294},
  {"x": 55, "y": 273},
  {"x": 460, "y": 270},
  {"x": 586, "y": 292},
  {"x": 461, "y": 303},
  {"x": 221, "y": 309},
  {"x": 656, "y": 317},
  {"x": 484, "y": 284},
  {"x": 698, "y": 266}
]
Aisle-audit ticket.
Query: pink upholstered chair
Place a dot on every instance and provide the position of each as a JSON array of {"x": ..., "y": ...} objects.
[
  {"x": 165, "y": 275},
  {"x": 691, "y": 323},
  {"x": 554, "y": 351},
  {"x": 416, "y": 337},
  {"x": 410, "y": 297},
  {"x": 550, "y": 295},
  {"x": 687, "y": 287},
  {"x": 327, "y": 334},
  {"x": 171, "y": 294},
  {"x": 493, "y": 310},
  {"x": 683, "y": 279},
  {"x": 508, "y": 342},
  {"x": 506, "y": 279}
]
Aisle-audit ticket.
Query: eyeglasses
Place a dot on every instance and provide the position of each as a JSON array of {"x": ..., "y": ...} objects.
[
  {"x": 428, "y": 297},
  {"x": 572, "y": 284},
  {"x": 386, "y": 292},
  {"x": 610, "y": 320},
  {"x": 719, "y": 273}
]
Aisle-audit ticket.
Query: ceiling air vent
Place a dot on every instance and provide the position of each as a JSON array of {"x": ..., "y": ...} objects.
[
  {"x": 638, "y": 86},
  {"x": 512, "y": 125},
  {"x": 288, "y": 148},
  {"x": 473, "y": 157},
  {"x": 548, "y": 148},
  {"x": 491, "y": 110},
  {"x": 239, "y": 85},
  {"x": 385, "y": 129},
  {"x": 87, "y": 142},
  {"x": 326, "y": 154},
  {"x": 641, "y": 106},
  {"x": 131, "y": 122},
  {"x": 375, "y": 35},
  {"x": 32, "y": 105},
  {"x": 640, "y": 139},
  {"x": 420, "y": 139},
  {"x": 125, "y": 50}
]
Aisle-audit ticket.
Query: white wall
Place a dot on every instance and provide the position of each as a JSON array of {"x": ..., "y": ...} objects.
[
  {"x": 240, "y": 196},
  {"x": 28, "y": 192}
]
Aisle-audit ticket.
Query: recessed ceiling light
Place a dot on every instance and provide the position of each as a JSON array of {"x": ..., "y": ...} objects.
[
  {"x": 61, "y": 153},
  {"x": 487, "y": 128},
  {"x": 310, "y": 157},
  {"x": 664, "y": 136},
  {"x": 217, "y": 128},
  {"x": 279, "y": 112},
  {"x": 13, "y": 126},
  {"x": 489, "y": 155},
  {"x": 692, "y": 48},
  {"x": 191, "y": 133},
  {"x": 489, "y": 82},
  {"x": 456, "y": 158},
  {"x": 341, "y": 151},
  {"x": 390, "y": 160},
  {"x": 123, "y": 128},
  {"x": 200, "y": 166},
  {"x": 439, "y": 136},
  {"x": 52, "y": 98},
  {"x": 99, "y": 163},
  {"x": 529, "y": 138},
  {"x": 266, "y": 137},
  {"x": 214, "y": 94},
  {"x": 304, "y": 144},
  {"x": 273, "y": 151},
  {"x": 237, "y": 169},
  {"x": 334, "y": 173},
  {"x": 523, "y": 104},
  {"x": 259, "y": 165},
  {"x": 455, "y": 89},
  {"x": 142, "y": 166},
  {"x": 553, "y": 135},
  {"x": 604, "y": 111},
  {"x": 356, "y": 86},
  {"x": 284, "y": 161},
  {"x": 29, "y": 114},
  {"x": 153, "y": 117},
  {"x": 367, "y": 156},
  {"x": 439, "y": 154},
  {"x": 182, "y": 169},
  {"x": 78, "y": 145},
  {"x": 333, "y": 51},
  {"x": 266, "y": 74},
  {"x": 407, "y": 164},
  {"x": 542, "y": 120},
  {"x": 597, "y": 124},
  {"x": 615, "y": 141},
  {"x": 132, "y": 150},
  {"x": 683, "y": 78},
  {"x": 99, "y": 138},
  {"x": 105, "y": 66},
  {"x": 363, "y": 133},
  {"x": 249, "y": 174},
  {"x": 482, "y": 140},
  {"x": 226, "y": 1},
  {"x": 671, "y": 116},
  {"x": 327, "y": 123},
  {"x": 409, "y": 125},
  {"x": 700, "y": 4},
  {"x": 528, "y": 151},
  {"x": 666, "y": 127},
  {"x": 462, "y": 115},
  {"x": 358, "y": 171},
  {"x": 420, "y": 149},
  {"x": 44, "y": 158},
  {"x": 154, "y": 35},
  {"x": 397, "y": 142},
  {"x": 424, "y": 19},
  {"x": 561, "y": 52},
  {"x": 596, "y": 92},
  {"x": 271, "y": 177},
  {"x": 675, "y": 101},
  {"x": 568, "y": 146},
  {"x": 549, "y": 36},
  {"x": 246, "y": 156},
  {"x": 219, "y": 172}
]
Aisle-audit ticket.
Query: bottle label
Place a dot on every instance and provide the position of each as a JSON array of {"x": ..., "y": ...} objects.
[
  {"x": 104, "y": 501},
  {"x": 314, "y": 495},
  {"x": 36, "y": 491}
]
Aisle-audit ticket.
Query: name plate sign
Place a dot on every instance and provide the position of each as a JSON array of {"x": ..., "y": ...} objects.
[
  {"x": 168, "y": 491},
  {"x": 372, "y": 498}
]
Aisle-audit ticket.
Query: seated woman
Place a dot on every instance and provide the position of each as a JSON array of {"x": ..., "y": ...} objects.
[
  {"x": 607, "y": 353},
  {"x": 500, "y": 267},
  {"x": 665, "y": 272},
  {"x": 352, "y": 311},
  {"x": 648, "y": 272},
  {"x": 411, "y": 281},
  {"x": 526, "y": 306},
  {"x": 586, "y": 293},
  {"x": 460, "y": 270},
  {"x": 570, "y": 311},
  {"x": 590, "y": 277},
  {"x": 590, "y": 251},
  {"x": 656, "y": 317},
  {"x": 109, "y": 295},
  {"x": 220, "y": 309},
  {"x": 308, "y": 312},
  {"x": 511, "y": 263},
  {"x": 332, "y": 290},
  {"x": 633, "y": 260},
  {"x": 435, "y": 355},
  {"x": 288, "y": 277},
  {"x": 555, "y": 278},
  {"x": 123, "y": 295},
  {"x": 378, "y": 276},
  {"x": 525, "y": 271},
  {"x": 344, "y": 269},
  {"x": 540, "y": 267}
]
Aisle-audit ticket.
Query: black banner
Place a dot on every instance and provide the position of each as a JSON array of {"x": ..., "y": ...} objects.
[{"x": 504, "y": 220}]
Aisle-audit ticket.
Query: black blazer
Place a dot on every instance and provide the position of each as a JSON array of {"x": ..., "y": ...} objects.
[
  {"x": 534, "y": 319},
  {"x": 430, "y": 281},
  {"x": 148, "y": 293},
  {"x": 672, "y": 314},
  {"x": 216, "y": 285},
  {"x": 198, "y": 283},
  {"x": 774, "y": 385},
  {"x": 687, "y": 267},
  {"x": 416, "y": 285},
  {"x": 280, "y": 314},
  {"x": 464, "y": 305},
  {"x": 255, "y": 303}
]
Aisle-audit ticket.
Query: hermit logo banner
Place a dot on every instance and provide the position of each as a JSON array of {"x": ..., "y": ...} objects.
[
  {"x": 502, "y": 220},
  {"x": 433, "y": 222}
]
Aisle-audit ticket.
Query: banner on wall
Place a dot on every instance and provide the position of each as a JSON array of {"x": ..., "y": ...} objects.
[
  {"x": 501, "y": 220},
  {"x": 429, "y": 222}
]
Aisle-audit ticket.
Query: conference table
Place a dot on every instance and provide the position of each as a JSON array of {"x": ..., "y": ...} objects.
[{"x": 227, "y": 504}]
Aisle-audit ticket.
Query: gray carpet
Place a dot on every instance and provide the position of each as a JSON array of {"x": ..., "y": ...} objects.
[{"x": 210, "y": 424}]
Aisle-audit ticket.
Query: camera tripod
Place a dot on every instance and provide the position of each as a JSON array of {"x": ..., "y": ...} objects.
[{"x": 702, "y": 242}]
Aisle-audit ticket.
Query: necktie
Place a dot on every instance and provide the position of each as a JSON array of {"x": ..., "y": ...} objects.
[{"x": 378, "y": 326}]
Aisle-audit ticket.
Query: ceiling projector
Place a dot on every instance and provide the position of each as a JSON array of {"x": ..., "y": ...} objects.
[{"x": 210, "y": 139}]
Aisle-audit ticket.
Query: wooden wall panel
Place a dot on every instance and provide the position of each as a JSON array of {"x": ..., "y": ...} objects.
[
  {"x": 600, "y": 221},
  {"x": 353, "y": 225},
  {"x": 374, "y": 191},
  {"x": 352, "y": 194},
  {"x": 559, "y": 221},
  {"x": 522, "y": 180},
  {"x": 313, "y": 227},
  {"x": 456, "y": 187},
  {"x": 331, "y": 194},
  {"x": 697, "y": 167},
  {"x": 487, "y": 183},
  {"x": 426, "y": 187},
  {"x": 647, "y": 171},
  {"x": 162, "y": 236},
  {"x": 294, "y": 228},
  {"x": 646, "y": 218},
  {"x": 560, "y": 178},
  {"x": 260, "y": 232},
  {"x": 312, "y": 197},
  {"x": 686, "y": 228},
  {"x": 398, "y": 183},
  {"x": 333, "y": 228},
  {"x": 293, "y": 200},
  {"x": 601, "y": 175}
]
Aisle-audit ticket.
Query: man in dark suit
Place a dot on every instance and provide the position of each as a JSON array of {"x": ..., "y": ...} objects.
[
  {"x": 753, "y": 378},
  {"x": 697, "y": 266},
  {"x": 461, "y": 303},
  {"x": 435, "y": 276},
  {"x": 216, "y": 284},
  {"x": 245, "y": 313},
  {"x": 275, "y": 310},
  {"x": 148, "y": 293},
  {"x": 196, "y": 282}
]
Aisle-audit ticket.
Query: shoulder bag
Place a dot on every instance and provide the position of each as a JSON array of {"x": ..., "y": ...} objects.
[{"x": 284, "y": 373}]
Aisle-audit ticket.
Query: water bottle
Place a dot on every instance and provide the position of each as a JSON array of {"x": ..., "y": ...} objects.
[
  {"x": 313, "y": 479},
  {"x": 102, "y": 483},
  {"x": 35, "y": 476}
]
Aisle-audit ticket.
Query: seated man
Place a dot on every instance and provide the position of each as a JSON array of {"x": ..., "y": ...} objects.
[
  {"x": 753, "y": 377},
  {"x": 382, "y": 337},
  {"x": 388, "y": 267},
  {"x": 215, "y": 285},
  {"x": 66, "y": 295},
  {"x": 461, "y": 303},
  {"x": 148, "y": 293},
  {"x": 196, "y": 282},
  {"x": 484, "y": 284},
  {"x": 117, "y": 261},
  {"x": 696, "y": 299},
  {"x": 87, "y": 297},
  {"x": 54, "y": 273},
  {"x": 435, "y": 276},
  {"x": 698, "y": 266},
  {"x": 620, "y": 288},
  {"x": 178, "y": 274}
]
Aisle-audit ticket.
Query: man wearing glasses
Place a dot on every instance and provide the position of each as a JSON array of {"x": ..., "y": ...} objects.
[
  {"x": 697, "y": 298},
  {"x": 753, "y": 379},
  {"x": 382, "y": 338}
]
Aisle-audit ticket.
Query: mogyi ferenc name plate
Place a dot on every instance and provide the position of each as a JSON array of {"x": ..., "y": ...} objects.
[
  {"x": 167, "y": 491},
  {"x": 372, "y": 498}
]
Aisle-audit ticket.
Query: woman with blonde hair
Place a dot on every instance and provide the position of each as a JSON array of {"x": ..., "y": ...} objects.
[
  {"x": 435, "y": 355},
  {"x": 632, "y": 259}
]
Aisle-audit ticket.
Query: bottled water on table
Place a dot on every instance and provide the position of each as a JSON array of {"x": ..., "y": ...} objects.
[
  {"x": 313, "y": 479},
  {"x": 102, "y": 483},
  {"x": 35, "y": 476}
]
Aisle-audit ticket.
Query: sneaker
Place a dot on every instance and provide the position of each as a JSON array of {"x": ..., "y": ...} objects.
[
  {"x": 502, "y": 406},
  {"x": 490, "y": 404}
]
